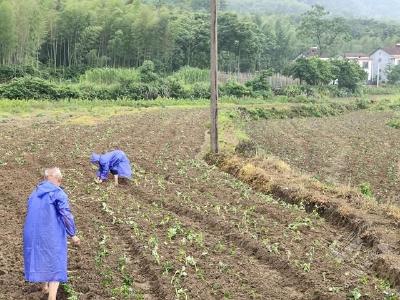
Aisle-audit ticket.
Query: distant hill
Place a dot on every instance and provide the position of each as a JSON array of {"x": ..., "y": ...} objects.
[{"x": 379, "y": 9}]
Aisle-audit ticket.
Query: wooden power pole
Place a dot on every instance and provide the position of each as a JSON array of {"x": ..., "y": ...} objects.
[{"x": 214, "y": 78}]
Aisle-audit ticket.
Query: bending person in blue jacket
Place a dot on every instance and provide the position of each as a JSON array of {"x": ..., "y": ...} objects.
[
  {"x": 115, "y": 162},
  {"x": 48, "y": 223}
]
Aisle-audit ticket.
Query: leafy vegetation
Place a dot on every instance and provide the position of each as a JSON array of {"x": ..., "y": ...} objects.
[
  {"x": 394, "y": 74},
  {"x": 66, "y": 37}
]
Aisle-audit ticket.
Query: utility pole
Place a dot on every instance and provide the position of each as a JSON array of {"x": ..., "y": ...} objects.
[
  {"x": 378, "y": 75},
  {"x": 214, "y": 78}
]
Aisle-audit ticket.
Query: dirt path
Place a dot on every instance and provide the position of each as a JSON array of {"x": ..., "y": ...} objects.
[{"x": 185, "y": 230}]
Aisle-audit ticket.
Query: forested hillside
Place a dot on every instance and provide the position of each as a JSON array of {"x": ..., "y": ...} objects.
[
  {"x": 382, "y": 9},
  {"x": 121, "y": 33}
]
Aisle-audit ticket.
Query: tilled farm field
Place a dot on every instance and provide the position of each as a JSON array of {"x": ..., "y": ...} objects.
[
  {"x": 184, "y": 230},
  {"x": 352, "y": 149}
]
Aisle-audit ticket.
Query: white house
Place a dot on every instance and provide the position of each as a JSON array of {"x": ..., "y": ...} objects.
[
  {"x": 382, "y": 59},
  {"x": 363, "y": 60}
]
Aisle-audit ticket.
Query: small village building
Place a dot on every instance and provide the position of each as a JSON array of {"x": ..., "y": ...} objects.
[
  {"x": 363, "y": 60},
  {"x": 382, "y": 60}
]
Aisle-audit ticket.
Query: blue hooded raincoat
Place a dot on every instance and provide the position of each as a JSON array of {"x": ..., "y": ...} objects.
[
  {"x": 48, "y": 222},
  {"x": 115, "y": 161}
]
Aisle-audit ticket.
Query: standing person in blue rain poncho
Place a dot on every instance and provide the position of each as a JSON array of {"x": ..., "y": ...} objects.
[
  {"x": 115, "y": 162},
  {"x": 48, "y": 223}
]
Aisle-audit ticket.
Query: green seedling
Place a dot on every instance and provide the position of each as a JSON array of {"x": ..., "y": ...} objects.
[
  {"x": 355, "y": 294},
  {"x": 174, "y": 231},
  {"x": 69, "y": 290}
]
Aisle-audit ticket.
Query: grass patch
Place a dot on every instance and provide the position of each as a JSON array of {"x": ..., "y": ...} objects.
[
  {"x": 303, "y": 110},
  {"x": 395, "y": 123}
]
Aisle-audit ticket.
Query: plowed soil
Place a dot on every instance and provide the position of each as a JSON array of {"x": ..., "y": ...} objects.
[
  {"x": 184, "y": 229},
  {"x": 354, "y": 149}
]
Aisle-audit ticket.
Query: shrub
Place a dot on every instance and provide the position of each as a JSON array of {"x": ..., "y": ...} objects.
[
  {"x": 200, "y": 91},
  {"x": 394, "y": 74},
  {"x": 109, "y": 76},
  {"x": 144, "y": 91},
  {"x": 147, "y": 72},
  {"x": 189, "y": 75},
  {"x": 293, "y": 91},
  {"x": 7, "y": 73},
  {"x": 235, "y": 89},
  {"x": 36, "y": 88},
  {"x": 71, "y": 73},
  {"x": 101, "y": 92},
  {"x": 174, "y": 89},
  {"x": 260, "y": 86}
]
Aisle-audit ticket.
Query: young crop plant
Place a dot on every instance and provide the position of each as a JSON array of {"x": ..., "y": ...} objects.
[
  {"x": 305, "y": 266},
  {"x": 366, "y": 190},
  {"x": 300, "y": 223},
  {"x": 107, "y": 278},
  {"x": 136, "y": 229},
  {"x": 223, "y": 267},
  {"x": 190, "y": 261},
  {"x": 273, "y": 248},
  {"x": 385, "y": 287},
  {"x": 195, "y": 237},
  {"x": 176, "y": 281},
  {"x": 174, "y": 230},
  {"x": 220, "y": 247},
  {"x": 334, "y": 289},
  {"x": 168, "y": 268},
  {"x": 20, "y": 160},
  {"x": 69, "y": 290},
  {"x": 102, "y": 252},
  {"x": 153, "y": 243},
  {"x": 355, "y": 294}
]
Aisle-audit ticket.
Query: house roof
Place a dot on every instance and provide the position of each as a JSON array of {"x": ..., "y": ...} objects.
[
  {"x": 312, "y": 52},
  {"x": 395, "y": 50},
  {"x": 356, "y": 54}
]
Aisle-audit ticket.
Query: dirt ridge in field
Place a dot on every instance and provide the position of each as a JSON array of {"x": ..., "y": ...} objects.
[{"x": 376, "y": 225}]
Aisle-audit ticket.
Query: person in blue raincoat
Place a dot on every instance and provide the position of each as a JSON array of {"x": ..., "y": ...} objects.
[
  {"x": 115, "y": 162},
  {"x": 48, "y": 223}
]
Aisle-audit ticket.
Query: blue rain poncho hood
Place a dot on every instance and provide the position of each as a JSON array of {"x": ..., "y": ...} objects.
[
  {"x": 94, "y": 158},
  {"x": 46, "y": 187},
  {"x": 48, "y": 223}
]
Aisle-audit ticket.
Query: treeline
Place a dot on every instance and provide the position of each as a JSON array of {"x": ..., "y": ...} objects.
[
  {"x": 119, "y": 33},
  {"x": 81, "y": 34}
]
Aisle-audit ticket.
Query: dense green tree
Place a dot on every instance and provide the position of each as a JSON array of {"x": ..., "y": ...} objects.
[
  {"x": 323, "y": 31},
  {"x": 348, "y": 74},
  {"x": 312, "y": 71}
]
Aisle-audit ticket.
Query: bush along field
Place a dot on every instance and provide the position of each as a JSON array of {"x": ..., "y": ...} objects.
[
  {"x": 145, "y": 83},
  {"x": 231, "y": 227}
]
